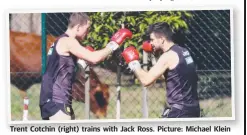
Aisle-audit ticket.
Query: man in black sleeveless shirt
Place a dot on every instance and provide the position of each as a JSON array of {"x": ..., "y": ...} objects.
[
  {"x": 177, "y": 66},
  {"x": 63, "y": 55}
]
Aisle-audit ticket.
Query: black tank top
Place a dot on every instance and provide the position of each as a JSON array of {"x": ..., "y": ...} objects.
[
  {"x": 181, "y": 82},
  {"x": 57, "y": 80}
]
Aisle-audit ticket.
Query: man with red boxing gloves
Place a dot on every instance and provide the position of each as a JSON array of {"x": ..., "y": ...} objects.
[
  {"x": 177, "y": 66},
  {"x": 56, "y": 86}
]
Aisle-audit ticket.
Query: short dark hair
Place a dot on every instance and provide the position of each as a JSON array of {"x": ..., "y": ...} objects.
[
  {"x": 161, "y": 28},
  {"x": 78, "y": 18}
]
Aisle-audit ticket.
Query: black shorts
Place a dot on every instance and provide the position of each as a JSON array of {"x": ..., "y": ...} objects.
[
  {"x": 50, "y": 108},
  {"x": 184, "y": 112}
]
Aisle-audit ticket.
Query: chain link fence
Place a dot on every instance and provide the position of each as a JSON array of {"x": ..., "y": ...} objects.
[
  {"x": 25, "y": 63},
  {"x": 208, "y": 40}
]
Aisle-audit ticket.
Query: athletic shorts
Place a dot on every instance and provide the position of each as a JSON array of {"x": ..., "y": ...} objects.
[
  {"x": 181, "y": 112},
  {"x": 50, "y": 108}
]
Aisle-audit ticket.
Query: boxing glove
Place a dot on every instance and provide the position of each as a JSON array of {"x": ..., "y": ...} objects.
[
  {"x": 82, "y": 62},
  {"x": 131, "y": 56},
  {"x": 118, "y": 38},
  {"x": 90, "y": 48},
  {"x": 147, "y": 47}
]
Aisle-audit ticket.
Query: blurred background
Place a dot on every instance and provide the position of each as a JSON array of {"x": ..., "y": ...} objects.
[{"x": 206, "y": 33}]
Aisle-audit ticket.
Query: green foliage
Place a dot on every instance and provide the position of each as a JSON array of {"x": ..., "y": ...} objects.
[{"x": 105, "y": 24}]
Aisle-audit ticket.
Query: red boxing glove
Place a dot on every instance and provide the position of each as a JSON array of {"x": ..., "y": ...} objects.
[
  {"x": 90, "y": 48},
  {"x": 118, "y": 38},
  {"x": 147, "y": 47},
  {"x": 121, "y": 35},
  {"x": 131, "y": 56}
]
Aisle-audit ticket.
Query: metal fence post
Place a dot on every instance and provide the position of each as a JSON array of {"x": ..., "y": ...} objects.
[
  {"x": 43, "y": 36},
  {"x": 144, "y": 89},
  {"x": 118, "y": 108},
  {"x": 87, "y": 96}
]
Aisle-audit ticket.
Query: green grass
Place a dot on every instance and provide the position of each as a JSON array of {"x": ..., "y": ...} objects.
[
  {"x": 131, "y": 104},
  {"x": 220, "y": 107}
]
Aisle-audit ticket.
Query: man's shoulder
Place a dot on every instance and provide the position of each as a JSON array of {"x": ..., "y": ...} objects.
[
  {"x": 66, "y": 40},
  {"x": 170, "y": 53}
]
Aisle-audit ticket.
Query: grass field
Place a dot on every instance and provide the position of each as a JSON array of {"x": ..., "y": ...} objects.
[{"x": 131, "y": 104}]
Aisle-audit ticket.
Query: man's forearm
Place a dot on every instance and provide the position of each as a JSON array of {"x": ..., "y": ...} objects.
[
  {"x": 101, "y": 55},
  {"x": 142, "y": 76}
]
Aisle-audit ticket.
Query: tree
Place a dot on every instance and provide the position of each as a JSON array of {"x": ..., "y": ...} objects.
[{"x": 105, "y": 24}]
